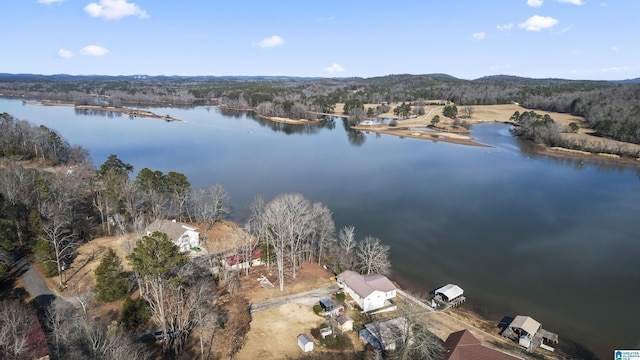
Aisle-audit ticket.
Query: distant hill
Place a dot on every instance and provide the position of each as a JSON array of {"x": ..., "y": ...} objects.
[
  {"x": 503, "y": 79},
  {"x": 630, "y": 81},
  {"x": 517, "y": 80}
]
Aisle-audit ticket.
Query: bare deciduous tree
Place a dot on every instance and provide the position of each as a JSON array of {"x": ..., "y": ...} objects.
[
  {"x": 15, "y": 322},
  {"x": 467, "y": 111},
  {"x": 209, "y": 206},
  {"x": 416, "y": 341},
  {"x": 373, "y": 256},
  {"x": 347, "y": 238}
]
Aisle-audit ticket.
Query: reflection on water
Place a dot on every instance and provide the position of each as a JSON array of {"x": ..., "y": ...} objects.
[
  {"x": 97, "y": 112},
  {"x": 522, "y": 233},
  {"x": 356, "y": 137}
]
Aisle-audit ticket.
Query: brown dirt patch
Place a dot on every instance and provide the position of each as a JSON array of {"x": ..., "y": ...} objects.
[
  {"x": 274, "y": 332},
  {"x": 310, "y": 276}
]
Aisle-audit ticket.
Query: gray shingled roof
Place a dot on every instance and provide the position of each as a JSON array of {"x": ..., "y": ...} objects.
[{"x": 173, "y": 229}]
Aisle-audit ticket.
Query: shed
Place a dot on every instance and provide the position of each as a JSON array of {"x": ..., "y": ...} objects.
[
  {"x": 345, "y": 323},
  {"x": 305, "y": 342},
  {"x": 450, "y": 292}
]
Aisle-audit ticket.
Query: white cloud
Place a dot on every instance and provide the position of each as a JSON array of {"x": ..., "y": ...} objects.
[
  {"x": 504, "y": 27},
  {"x": 614, "y": 69},
  {"x": 334, "y": 69},
  {"x": 534, "y": 3},
  {"x": 114, "y": 9},
  {"x": 49, "y": 1},
  {"x": 574, "y": 2},
  {"x": 614, "y": 48},
  {"x": 63, "y": 53},
  {"x": 479, "y": 35},
  {"x": 270, "y": 42},
  {"x": 537, "y": 23},
  {"x": 94, "y": 50},
  {"x": 603, "y": 4}
]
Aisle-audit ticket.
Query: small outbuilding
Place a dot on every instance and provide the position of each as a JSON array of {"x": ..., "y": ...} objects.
[
  {"x": 305, "y": 342},
  {"x": 529, "y": 333},
  {"x": 345, "y": 323},
  {"x": 450, "y": 292},
  {"x": 447, "y": 296},
  {"x": 331, "y": 307}
]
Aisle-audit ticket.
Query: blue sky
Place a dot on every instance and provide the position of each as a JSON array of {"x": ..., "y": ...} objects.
[{"x": 573, "y": 39}]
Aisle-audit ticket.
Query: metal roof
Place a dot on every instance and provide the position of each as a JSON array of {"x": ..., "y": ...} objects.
[
  {"x": 525, "y": 323},
  {"x": 451, "y": 291},
  {"x": 367, "y": 284}
]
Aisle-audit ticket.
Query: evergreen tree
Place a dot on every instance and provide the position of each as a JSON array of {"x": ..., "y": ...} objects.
[
  {"x": 111, "y": 280},
  {"x": 135, "y": 313},
  {"x": 450, "y": 111}
]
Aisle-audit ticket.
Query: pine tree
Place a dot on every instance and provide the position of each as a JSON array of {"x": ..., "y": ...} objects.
[{"x": 111, "y": 280}]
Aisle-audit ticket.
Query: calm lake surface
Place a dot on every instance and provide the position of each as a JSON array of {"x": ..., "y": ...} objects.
[{"x": 555, "y": 239}]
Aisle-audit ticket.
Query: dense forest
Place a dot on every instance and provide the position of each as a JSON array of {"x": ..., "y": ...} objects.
[{"x": 612, "y": 109}]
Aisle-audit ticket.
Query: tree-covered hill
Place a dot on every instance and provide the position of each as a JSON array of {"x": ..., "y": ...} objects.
[{"x": 611, "y": 108}]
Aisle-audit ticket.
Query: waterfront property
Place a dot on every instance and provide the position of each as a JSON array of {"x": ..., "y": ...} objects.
[
  {"x": 529, "y": 333},
  {"x": 372, "y": 292},
  {"x": 386, "y": 335},
  {"x": 183, "y": 235},
  {"x": 462, "y": 345},
  {"x": 449, "y": 295},
  {"x": 243, "y": 260}
]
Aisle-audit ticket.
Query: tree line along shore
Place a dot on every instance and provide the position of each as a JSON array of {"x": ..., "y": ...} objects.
[
  {"x": 55, "y": 204},
  {"x": 609, "y": 108}
]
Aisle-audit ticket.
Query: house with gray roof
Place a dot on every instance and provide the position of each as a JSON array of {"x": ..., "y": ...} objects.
[
  {"x": 386, "y": 335},
  {"x": 183, "y": 235},
  {"x": 371, "y": 292}
]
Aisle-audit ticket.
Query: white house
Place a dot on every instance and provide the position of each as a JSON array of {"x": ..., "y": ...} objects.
[
  {"x": 183, "y": 235},
  {"x": 371, "y": 292}
]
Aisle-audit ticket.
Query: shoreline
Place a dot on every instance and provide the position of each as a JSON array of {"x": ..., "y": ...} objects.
[
  {"x": 126, "y": 111},
  {"x": 433, "y": 135},
  {"x": 441, "y": 133},
  {"x": 290, "y": 121}
]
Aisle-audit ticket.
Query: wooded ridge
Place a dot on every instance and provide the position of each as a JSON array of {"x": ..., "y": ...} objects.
[{"x": 611, "y": 108}]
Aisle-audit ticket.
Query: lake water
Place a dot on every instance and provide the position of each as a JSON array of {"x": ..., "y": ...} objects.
[{"x": 555, "y": 239}]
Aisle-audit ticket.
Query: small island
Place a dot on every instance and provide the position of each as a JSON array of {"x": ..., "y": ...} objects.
[{"x": 113, "y": 109}]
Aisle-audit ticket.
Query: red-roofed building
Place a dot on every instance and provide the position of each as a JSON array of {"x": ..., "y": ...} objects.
[
  {"x": 243, "y": 261},
  {"x": 462, "y": 345}
]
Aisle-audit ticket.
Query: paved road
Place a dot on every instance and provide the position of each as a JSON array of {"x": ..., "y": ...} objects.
[
  {"x": 36, "y": 286},
  {"x": 308, "y": 298}
]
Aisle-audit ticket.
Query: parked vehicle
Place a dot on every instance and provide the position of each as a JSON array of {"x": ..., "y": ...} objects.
[{"x": 158, "y": 335}]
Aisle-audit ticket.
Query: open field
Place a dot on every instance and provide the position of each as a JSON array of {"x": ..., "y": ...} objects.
[{"x": 446, "y": 131}]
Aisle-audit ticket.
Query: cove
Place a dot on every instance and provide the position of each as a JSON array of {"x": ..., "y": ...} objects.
[{"x": 555, "y": 239}]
